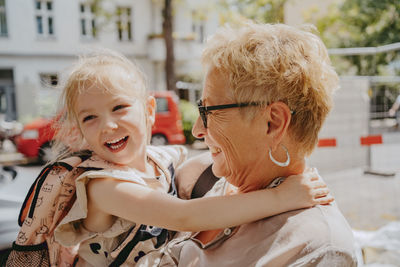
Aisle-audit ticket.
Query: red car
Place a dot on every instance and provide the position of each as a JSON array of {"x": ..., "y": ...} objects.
[{"x": 35, "y": 139}]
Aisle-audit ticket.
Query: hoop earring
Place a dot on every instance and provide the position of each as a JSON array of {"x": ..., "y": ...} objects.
[{"x": 281, "y": 164}]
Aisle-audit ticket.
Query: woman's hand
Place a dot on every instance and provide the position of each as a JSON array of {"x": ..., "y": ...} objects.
[{"x": 304, "y": 190}]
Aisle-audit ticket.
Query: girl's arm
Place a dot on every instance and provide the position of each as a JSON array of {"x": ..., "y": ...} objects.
[{"x": 144, "y": 205}]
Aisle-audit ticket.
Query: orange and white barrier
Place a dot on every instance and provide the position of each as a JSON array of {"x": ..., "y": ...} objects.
[
  {"x": 368, "y": 140},
  {"x": 351, "y": 150}
]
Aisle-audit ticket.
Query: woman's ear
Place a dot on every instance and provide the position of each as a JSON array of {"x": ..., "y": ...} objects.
[
  {"x": 278, "y": 122},
  {"x": 151, "y": 109}
]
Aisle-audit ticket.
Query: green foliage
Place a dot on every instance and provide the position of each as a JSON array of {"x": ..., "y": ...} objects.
[
  {"x": 189, "y": 115},
  {"x": 266, "y": 11},
  {"x": 363, "y": 23},
  {"x": 349, "y": 23}
]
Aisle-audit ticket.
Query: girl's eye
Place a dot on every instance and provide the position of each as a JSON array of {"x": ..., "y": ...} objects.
[
  {"x": 87, "y": 118},
  {"x": 117, "y": 107}
]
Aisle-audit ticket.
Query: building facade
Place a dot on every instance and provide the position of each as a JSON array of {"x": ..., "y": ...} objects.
[{"x": 40, "y": 39}]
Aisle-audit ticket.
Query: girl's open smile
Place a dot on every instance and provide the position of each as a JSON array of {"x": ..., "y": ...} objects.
[{"x": 117, "y": 145}]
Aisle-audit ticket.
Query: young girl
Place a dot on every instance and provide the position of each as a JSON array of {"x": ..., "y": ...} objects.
[{"x": 107, "y": 110}]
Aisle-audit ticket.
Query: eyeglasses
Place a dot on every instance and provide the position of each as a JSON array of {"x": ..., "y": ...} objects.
[{"x": 205, "y": 110}]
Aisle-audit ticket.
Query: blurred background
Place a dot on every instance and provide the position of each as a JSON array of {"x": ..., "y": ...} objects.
[{"x": 358, "y": 150}]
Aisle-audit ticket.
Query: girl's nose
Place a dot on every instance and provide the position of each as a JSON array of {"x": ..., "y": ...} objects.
[
  {"x": 198, "y": 129},
  {"x": 109, "y": 125}
]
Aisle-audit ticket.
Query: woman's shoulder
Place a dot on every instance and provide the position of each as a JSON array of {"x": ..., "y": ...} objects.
[{"x": 322, "y": 225}]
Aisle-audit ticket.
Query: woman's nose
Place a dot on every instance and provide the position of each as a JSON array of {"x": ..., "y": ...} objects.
[{"x": 198, "y": 129}]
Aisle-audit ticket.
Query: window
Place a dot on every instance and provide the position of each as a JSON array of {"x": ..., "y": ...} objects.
[
  {"x": 88, "y": 20},
  {"x": 161, "y": 104},
  {"x": 47, "y": 95},
  {"x": 124, "y": 24},
  {"x": 3, "y": 102},
  {"x": 44, "y": 18},
  {"x": 3, "y": 19},
  {"x": 49, "y": 80},
  {"x": 198, "y": 26}
]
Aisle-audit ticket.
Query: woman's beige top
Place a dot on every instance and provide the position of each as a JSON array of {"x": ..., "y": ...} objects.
[
  {"x": 101, "y": 249},
  {"x": 318, "y": 236}
]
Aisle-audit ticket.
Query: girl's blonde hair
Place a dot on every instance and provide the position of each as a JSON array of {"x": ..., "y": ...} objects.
[
  {"x": 94, "y": 70},
  {"x": 275, "y": 62}
]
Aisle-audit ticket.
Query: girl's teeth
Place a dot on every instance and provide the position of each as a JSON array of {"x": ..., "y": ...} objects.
[
  {"x": 115, "y": 141},
  {"x": 116, "y": 146}
]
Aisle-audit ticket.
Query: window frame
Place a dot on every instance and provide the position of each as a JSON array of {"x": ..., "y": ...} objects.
[
  {"x": 198, "y": 27},
  {"x": 124, "y": 23},
  {"x": 87, "y": 19},
  {"x": 3, "y": 19},
  {"x": 44, "y": 12},
  {"x": 49, "y": 80},
  {"x": 162, "y": 102}
]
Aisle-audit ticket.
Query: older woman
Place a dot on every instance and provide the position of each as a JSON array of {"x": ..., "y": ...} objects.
[{"x": 267, "y": 92}]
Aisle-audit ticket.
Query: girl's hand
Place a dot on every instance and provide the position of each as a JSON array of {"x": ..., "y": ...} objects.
[{"x": 304, "y": 190}]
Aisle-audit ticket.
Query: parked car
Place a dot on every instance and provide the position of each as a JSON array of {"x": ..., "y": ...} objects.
[
  {"x": 167, "y": 128},
  {"x": 36, "y": 137}
]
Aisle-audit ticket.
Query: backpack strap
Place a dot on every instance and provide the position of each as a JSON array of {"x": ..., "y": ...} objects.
[
  {"x": 29, "y": 204},
  {"x": 205, "y": 182},
  {"x": 32, "y": 195}
]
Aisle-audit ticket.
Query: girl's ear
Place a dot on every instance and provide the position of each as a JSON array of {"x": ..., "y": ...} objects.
[
  {"x": 278, "y": 122},
  {"x": 151, "y": 109}
]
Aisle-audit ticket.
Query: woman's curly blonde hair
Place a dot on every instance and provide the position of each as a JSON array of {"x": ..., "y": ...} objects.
[
  {"x": 101, "y": 69},
  {"x": 276, "y": 62}
]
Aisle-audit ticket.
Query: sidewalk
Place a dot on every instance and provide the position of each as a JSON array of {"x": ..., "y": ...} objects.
[
  {"x": 367, "y": 201},
  {"x": 371, "y": 205}
]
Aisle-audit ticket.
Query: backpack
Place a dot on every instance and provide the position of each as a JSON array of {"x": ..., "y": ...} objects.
[{"x": 49, "y": 200}]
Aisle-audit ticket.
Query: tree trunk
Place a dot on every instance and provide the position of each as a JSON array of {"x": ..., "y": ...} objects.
[{"x": 169, "y": 46}]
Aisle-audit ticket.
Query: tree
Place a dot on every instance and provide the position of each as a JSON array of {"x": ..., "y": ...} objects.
[
  {"x": 363, "y": 23},
  {"x": 169, "y": 45}
]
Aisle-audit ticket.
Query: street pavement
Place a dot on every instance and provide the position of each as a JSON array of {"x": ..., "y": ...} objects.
[{"x": 370, "y": 203}]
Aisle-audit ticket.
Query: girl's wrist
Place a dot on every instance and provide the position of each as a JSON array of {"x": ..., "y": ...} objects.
[{"x": 277, "y": 196}]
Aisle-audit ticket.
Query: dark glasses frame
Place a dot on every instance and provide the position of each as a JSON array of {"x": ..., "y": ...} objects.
[{"x": 205, "y": 110}]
